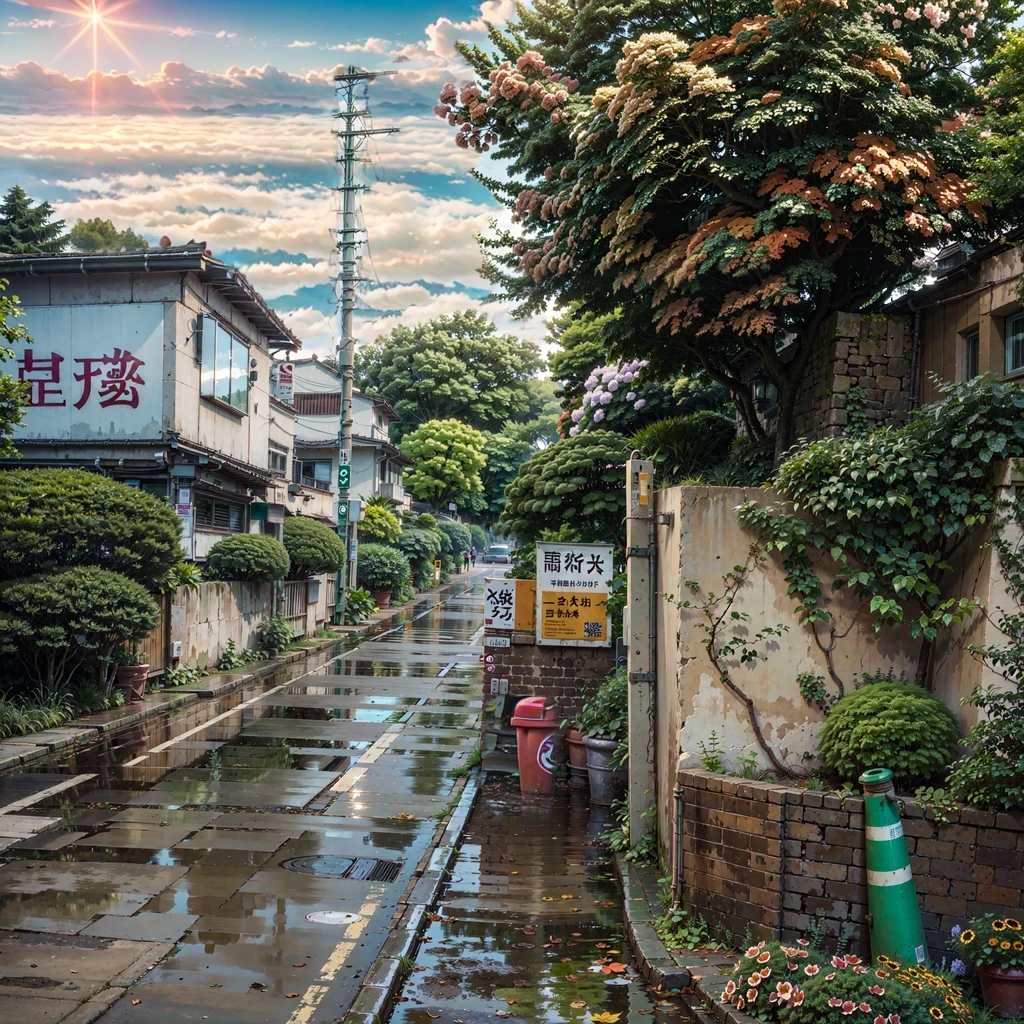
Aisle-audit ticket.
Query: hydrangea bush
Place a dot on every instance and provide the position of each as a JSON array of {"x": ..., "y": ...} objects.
[{"x": 607, "y": 384}]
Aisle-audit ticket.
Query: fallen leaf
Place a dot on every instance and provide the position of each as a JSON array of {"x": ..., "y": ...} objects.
[
  {"x": 601, "y": 945},
  {"x": 298, "y": 965},
  {"x": 135, "y": 1002},
  {"x": 548, "y": 899},
  {"x": 433, "y": 1016},
  {"x": 613, "y": 968},
  {"x": 511, "y": 1002},
  {"x": 433, "y": 917},
  {"x": 566, "y": 959},
  {"x": 554, "y": 940},
  {"x": 529, "y": 930},
  {"x": 578, "y": 1004},
  {"x": 74, "y": 972},
  {"x": 512, "y": 859},
  {"x": 513, "y": 872},
  {"x": 258, "y": 985},
  {"x": 569, "y": 897},
  {"x": 572, "y": 977},
  {"x": 525, "y": 945},
  {"x": 614, "y": 951},
  {"x": 292, "y": 995},
  {"x": 605, "y": 1018},
  {"x": 576, "y": 935}
]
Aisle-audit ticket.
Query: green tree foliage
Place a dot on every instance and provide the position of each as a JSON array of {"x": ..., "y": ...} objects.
[
  {"x": 25, "y": 228},
  {"x": 98, "y": 235},
  {"x": 57, "y": 518},
  {"x": 382, "y": 568},
  {"x": 248, "y": 557},
  {"x": 458, "y": 536},
  {"x": 580, "y": 481},
  {"x": 452, "y": 367},
  {"x": 312, "y": 547},
  {"x": 739, "y": 175},
  {"x": 379, "y": 523},
  {"x": 991, "y": 775},
  {"x": 59, "y": 624},
  {"x": 479, "y": 535},
  {"x": 686, "y": 446},
  {"x": 13, "y": 393},
  {"x": 578, "y": 345},
  {"x": 504, "y": 454},
  {"x": 422, "y": 542},
  {"x": 449, "y": 455},
  {"x": 893, "y": 725}
]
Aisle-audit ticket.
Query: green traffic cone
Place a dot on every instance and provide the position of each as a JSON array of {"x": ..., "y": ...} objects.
[{"x": 894, "y": 917}]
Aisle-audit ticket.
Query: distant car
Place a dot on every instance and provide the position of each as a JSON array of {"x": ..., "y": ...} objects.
[{"x": 498, "y": 553}]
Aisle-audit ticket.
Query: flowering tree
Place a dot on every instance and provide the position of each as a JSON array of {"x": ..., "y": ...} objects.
[
  {"x": 732, "y": 187},
  {"x": 604, "y": 386}
]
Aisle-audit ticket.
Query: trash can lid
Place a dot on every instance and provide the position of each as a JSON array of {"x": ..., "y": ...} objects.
[{"x": 533, "y": 708}]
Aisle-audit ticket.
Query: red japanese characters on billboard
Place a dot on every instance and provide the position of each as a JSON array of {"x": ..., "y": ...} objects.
[{"x": 92, "y": 370}]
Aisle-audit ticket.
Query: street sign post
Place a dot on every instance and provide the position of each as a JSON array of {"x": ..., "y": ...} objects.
[
  {"x": 574, "y": 582},
  {"x": 344, "y": 477}
]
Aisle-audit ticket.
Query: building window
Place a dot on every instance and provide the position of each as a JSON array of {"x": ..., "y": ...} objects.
[
  {"x": 220, "y": 515},
  {"x": 278, "y": 461},
  {"x": 971, "y": 355},
  {"x": 225, "y": 366},
  {"x": 319, "y": 469},
  {"x": 1015, "y": 343}
]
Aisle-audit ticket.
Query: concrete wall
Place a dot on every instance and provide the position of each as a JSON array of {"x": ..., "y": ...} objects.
[
  {"x": 702, "y": 542},
  {"x": 774, "y": 860}
]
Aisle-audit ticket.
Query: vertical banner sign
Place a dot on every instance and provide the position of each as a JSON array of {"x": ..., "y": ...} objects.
[
  {"x": 344, "y": 477},
  {"x": 437, "y": 570},
  {"x": 285, "y": 382},
  {"x": 500, "y": 604},
  {"x": 573, "y": 584}
]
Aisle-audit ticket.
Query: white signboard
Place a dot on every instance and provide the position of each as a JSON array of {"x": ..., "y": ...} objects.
[
  {"x": 497, "y": 641},
  {"x": 573, "y": 584},
  {"x": 285, "y": 382},
  {"x": 92, "y": 371},
  {"x": 500, "y": 604}
]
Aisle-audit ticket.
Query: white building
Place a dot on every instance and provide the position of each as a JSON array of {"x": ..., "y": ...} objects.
[{"x": 153, "y": 367}]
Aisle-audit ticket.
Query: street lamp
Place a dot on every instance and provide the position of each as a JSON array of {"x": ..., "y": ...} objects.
[{"x": 763, "y": 391}]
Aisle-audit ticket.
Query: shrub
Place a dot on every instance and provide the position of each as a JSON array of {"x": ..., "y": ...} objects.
[
  {"x": 458, "y": 535},
  {"x": 889, "y": 724},
  {"x": 421, "y": 546},
  {"x": 381, "y": 568},
  {"x": 251, "y": 557},
  {"x": 686, "y": 446},
  {"x": 59, "y": 518},
  {"x": 60, "y": 623},
  {"x": 359, "y": 605},
  {"x": 20, "y": 717},
  {"x": 380, "y": 523},
  {"x": 478, "y": 537},
  {"x": 276, "y": 634},
  {"x": 312, "y": 547},
  {"x": 750, "y": 463},
  {"x": 232, "y": 659}
]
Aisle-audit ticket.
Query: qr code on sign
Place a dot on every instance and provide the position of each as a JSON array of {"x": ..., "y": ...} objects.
[{"x": 592, "y": 629}]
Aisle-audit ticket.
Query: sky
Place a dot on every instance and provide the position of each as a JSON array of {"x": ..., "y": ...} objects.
[{"x": 212, "y": 122}]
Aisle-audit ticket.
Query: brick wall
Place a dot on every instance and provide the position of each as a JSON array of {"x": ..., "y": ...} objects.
[
  {"x": 567, "y": 676},
  {"x": 772, "y": 860}
]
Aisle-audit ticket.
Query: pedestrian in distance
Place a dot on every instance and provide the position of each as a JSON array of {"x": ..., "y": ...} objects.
[
  {"x": 465, "y": 561},
  {"x": 472, "y": 554}
]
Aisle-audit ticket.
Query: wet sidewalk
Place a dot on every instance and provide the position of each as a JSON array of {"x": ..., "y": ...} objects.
[
  {"x": 259, "y": 843},
  {"x": 530, "y": 925}
]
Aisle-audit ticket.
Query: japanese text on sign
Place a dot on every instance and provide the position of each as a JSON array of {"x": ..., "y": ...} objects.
[
  {"x": 500, "y": 604},
  {"x": 118, "y": 372},
  {"x": 573, "y": 584}
]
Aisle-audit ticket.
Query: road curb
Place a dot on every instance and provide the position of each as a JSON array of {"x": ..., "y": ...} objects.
[{"x": 375, "y": 999}]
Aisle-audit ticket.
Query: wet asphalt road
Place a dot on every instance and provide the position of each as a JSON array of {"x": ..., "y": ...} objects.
[{"x": 225, "y": 830}]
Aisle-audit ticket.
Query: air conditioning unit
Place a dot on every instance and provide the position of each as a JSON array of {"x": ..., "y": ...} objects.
[{"x": 174, "y": 650}]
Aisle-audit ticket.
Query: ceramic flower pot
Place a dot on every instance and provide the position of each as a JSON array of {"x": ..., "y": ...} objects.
[
  {"x": 383, "y": 598},
  {"x": 578, "y": 777},
  {"x": 607, "y": 784},
  {"x": 1002, "y": 990},
  {"x": 131, "y": 681}
]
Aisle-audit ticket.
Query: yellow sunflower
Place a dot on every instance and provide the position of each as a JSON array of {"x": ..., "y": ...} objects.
[
  {"x": 993, "y": 942},
  {"x": 916, "y": 986},
  {"x": 998, "y": 925},
  {"x": 935, "y": 1013},
  {"x": 1004, "y": 944},
  {"x": 966, "y": 937},
  {"x": 1013, "y": 924},
  {"x": 1018, "y": 945}
]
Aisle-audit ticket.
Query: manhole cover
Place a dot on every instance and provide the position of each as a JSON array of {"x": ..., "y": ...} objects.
[
  {"x": 361, "y": 869},
  {"x": 333, "y": 917}
]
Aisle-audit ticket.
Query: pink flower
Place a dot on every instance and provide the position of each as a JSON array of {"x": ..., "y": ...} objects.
[
  {"x": 912, "y": 14},
  {"x": 838, "y": 961},
  {"x": 894, "y": 1018},
  {"x": 798, "y": 998},
  {"x": 730, "y": 989},
  {"x": 784, "y": 990},
  {"x": 860, "y": 970},
  {"x": 852, "y": 960},
  {"x": 835, "y": 1002},
  {"x": 754, "y": 950},
  {"x": 864, "y": 1008},
  {"x": 878, "y": 1020},
  {"x": 765, "y": 971},
  {"x": 803, "y": 942},
  {"x": 829, "y": 977},
  {"x": 792, "y": 966},
  {"x": 751, "y": 994},
  {"x": 754, "y": 980},
  {"x": 848, "y": 1007},
  {"x": 877, "y": 990},
  {"x": 811, "y": 970}
]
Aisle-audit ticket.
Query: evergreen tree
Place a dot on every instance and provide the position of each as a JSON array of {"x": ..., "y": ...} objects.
[{"x": 25, "y": 228}]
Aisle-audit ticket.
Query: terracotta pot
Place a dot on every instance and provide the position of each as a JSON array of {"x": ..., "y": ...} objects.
[
  {"x": 1003, "y": 991},
  {"x": 131, "y": 681},
  {"x": 578, "y": 778},
  {"x": 383, "y": 598},
  {"x": 607, "y": 784}
]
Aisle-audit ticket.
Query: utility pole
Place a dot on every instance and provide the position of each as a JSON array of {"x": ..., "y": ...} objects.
[{"x": 353, "y": 113}]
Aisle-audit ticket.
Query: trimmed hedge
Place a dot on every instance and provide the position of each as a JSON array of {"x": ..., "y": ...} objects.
[
  {"x": 312, "y": 547},
  {"x": 248, "y": 557}
]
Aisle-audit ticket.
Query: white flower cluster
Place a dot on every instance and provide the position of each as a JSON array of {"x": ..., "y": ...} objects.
[{"x": 604, "y": 385}]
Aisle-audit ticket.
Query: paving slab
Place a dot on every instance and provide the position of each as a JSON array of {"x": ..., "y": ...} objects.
[{"x": 143, "y": 927}]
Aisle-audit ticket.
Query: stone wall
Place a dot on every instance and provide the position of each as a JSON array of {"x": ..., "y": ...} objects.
[
  {"x": 566, "y": 676},
  {"x": 870, "y": 353},
  {"x": 772, "y": 860}
]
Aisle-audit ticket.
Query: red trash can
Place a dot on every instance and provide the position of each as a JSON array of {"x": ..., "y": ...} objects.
[{"x": 537, "y": 737}]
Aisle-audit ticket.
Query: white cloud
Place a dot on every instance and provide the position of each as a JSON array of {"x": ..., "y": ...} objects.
[
  {"x": 183, "y": 33},
  {"x": 272, "y": 280},
  {"x": 222, "y": 34},
  {"x": 443, "y": 34},
  {"x": 314, "y": 329},
  {"x": 33, "y": 23},
  {"x": 396, "y": 296},
  {"x": 372, "y": 45},
  {"x": 301, "y": 44}
]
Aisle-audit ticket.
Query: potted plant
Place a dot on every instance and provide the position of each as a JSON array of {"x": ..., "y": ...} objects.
[
  {"x": 131, "y": 674},
  {"x": 603, "y": 722},
  {"x": 995, "y": 946},
  {"x": 381, "y": 570},
  {"x": 578, "y": 776}
]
